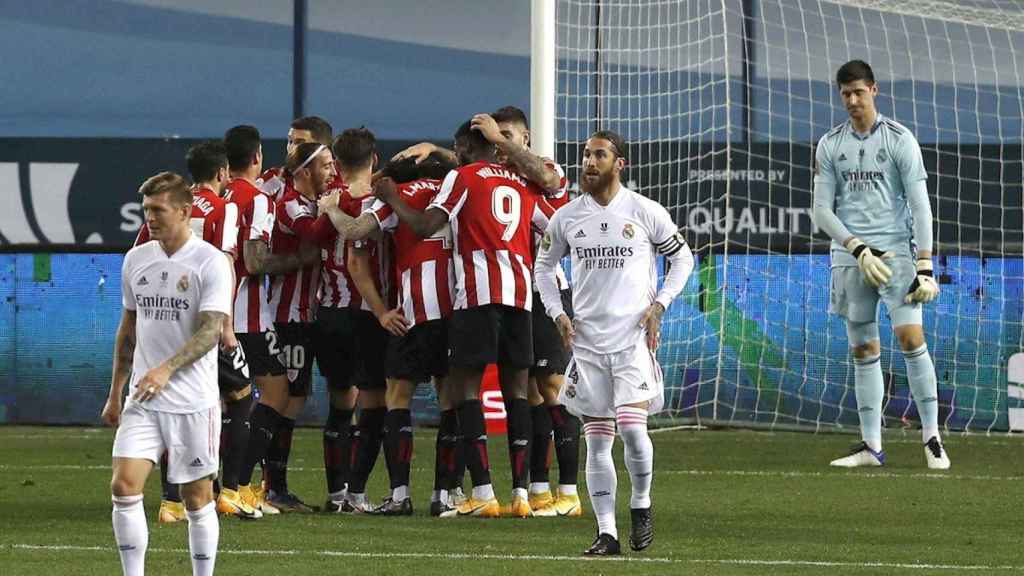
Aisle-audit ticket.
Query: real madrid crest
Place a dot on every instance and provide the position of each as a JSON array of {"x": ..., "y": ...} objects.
[
  {"x": 881, "y": 157},
  {"x": 183, "y": 283},
  {"x": 545, "y": 242},
  {"x": 628, "y": 232}
]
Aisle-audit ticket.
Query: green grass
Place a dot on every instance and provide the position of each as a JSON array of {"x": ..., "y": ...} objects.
[{"x": 726, "y": 502}]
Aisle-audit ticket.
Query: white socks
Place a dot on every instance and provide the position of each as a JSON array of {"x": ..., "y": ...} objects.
[
  {"x": 924, "y": 388},
  {"x": 639, "y": 453},
  {"x": 130, "y": 533},
  {"x": 601, "y": 479},
  {"x": 203, "y": 534}
]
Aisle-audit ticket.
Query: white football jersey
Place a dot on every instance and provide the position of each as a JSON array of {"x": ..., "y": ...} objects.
[
  {"x": 614, "y": 279},
  {"x": 167, "y": 295}
]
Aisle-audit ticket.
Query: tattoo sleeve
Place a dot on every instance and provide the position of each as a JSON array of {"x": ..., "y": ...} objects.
[
  {"x": 531, "y": 165},
  {"x": 350, "y": 228},
  {"x": 205, "y": 338},
  {"x": 259, "y": 260}
]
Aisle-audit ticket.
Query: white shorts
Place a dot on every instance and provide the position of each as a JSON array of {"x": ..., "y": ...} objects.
[
  {"x": 192, "y": 440},
  {"x": 595, "y": 384}
]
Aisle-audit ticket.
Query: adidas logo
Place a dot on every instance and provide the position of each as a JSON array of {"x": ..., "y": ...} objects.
[
  {"x": 643, "y": 386},
  {"x": 842, "y": 157},
  {"x": 580, "y": 234},
  {"x": 142, "y": 282},
  {"x": 196, "y": 463}
]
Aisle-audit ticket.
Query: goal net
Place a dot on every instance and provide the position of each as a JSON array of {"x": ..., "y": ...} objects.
[{"x": 722, "y": 102}]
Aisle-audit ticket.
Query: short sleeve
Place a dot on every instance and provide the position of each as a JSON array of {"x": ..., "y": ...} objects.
[
  {"x": 215, "y": 286},
  {"x": 262, "y": 218},
  {"x": 127, "y": 294},
  {"x": 228, "y": 241},
  {"x": 452, "y": 195},
  {"x": 386, "y": 218}
]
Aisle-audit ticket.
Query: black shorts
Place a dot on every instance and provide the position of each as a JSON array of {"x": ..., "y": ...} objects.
[
  {"x": 296, "y": 343},
  {"x": 420, "y": 354},
  {"x": 549, "y": 356},
  {"x": 494, "y": 333},
  {"x": 263, "y": 352},
  {"x": 350, "y": 348},
  {"x": 232, "y": 371}
]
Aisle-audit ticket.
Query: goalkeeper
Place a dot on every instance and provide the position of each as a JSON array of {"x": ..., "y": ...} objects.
[{"x": 871, "y": 198}]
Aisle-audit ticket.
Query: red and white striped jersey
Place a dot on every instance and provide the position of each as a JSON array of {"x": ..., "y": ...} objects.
[
  {"x": 273, "y": 182},
  {"x": 492, "y": 209},
  {"x": 255, "y": 222},
  {"x": 293, "y": 294},
  {"x": 556, "y": 199},
  {"x": 423, "y": 265},
  {"x": 214, "y": 219},
  {"x": 337, "y": 289}
]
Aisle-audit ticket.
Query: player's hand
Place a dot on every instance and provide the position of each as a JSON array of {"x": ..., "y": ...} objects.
[
  {"x": 871, "y": 262},
  {"x": 111, "y": 414},
  {"x": 329, "y": 202},
  {"x": 924, "y": 288},
  {"x": 419, "y": 152},
  {"x": 386, "y": 190},
  {"x": 152, "y": 383},
  {"x": 485, "y": 124},
  {"x": 394, "y": 322},
  {"x": 565, "y": 330},
  {"x": 651, "y": 323},
  {"x": 228, "y": 341}
]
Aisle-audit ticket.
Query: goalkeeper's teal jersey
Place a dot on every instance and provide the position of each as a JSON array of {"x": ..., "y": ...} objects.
[{"x": 869, "y": 174}]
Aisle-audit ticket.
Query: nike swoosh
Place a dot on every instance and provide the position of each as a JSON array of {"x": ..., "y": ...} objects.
[
  {"x": 571, "y": 510},
  {"x": 473, "y": 511}
]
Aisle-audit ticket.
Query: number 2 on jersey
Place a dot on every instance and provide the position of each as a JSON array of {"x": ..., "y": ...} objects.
[{"x": 506, "y": 213}]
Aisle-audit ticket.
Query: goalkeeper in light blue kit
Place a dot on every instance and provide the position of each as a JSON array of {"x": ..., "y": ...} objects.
[{"x": 871, "y": 197}]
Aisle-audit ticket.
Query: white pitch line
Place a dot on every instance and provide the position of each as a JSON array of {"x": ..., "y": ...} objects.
[
  {"x": 540, "y": 557},
  {"x": 857, "y": 475},
  {"x": 690, "y": 472}
]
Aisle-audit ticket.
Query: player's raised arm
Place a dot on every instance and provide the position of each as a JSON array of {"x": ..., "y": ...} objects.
[
  {"x": 515, "y": 152},
  {"x": 348, "y": 228},
  {"x": 423, "y": 223}
]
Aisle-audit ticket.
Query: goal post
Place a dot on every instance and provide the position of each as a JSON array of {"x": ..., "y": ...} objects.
[{"x": 722, "y": 102}]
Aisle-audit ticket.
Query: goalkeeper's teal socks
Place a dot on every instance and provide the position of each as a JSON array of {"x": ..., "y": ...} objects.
[
  {"x": 924, "y": 388},
  {"x": 867, "y": 378}
]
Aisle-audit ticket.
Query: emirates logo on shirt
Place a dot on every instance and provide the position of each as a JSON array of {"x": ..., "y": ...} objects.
[{"x": 183, "y": 283}]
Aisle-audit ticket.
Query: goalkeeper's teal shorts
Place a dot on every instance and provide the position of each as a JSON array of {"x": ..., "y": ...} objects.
[{"x": 854, "y": 299}]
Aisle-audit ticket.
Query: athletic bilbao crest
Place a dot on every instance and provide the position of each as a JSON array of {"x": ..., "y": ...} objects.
[
  {"x": 183, "y": 283},
  {"x": 627, "y": 231}
]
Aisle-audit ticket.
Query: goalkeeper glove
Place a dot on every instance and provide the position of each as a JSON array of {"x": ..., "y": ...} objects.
[
  {"x": 924, "y": 288},
  {"x": 869, "y": 260}
]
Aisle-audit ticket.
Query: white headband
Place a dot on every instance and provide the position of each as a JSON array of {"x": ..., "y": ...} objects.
[{"x": 310, "y": 159}]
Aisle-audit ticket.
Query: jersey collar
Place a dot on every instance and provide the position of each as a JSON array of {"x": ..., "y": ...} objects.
[{"x": 878, "y": 122}]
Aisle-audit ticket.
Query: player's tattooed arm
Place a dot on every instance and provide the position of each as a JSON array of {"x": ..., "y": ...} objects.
[
  {"x": 124, "y": 352},
  {"x": 204, "y": 339},
  {"x": 259, "y": 260},
  {"x": 526, "y": 162},
  {"x": 348, "y": 228}
]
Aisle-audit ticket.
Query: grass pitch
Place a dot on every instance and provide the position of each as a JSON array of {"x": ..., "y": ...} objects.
[{"x": 726, "y": 502}]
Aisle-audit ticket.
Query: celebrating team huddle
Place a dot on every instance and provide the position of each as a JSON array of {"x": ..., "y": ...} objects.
[{"x": 430, "y": 268}]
